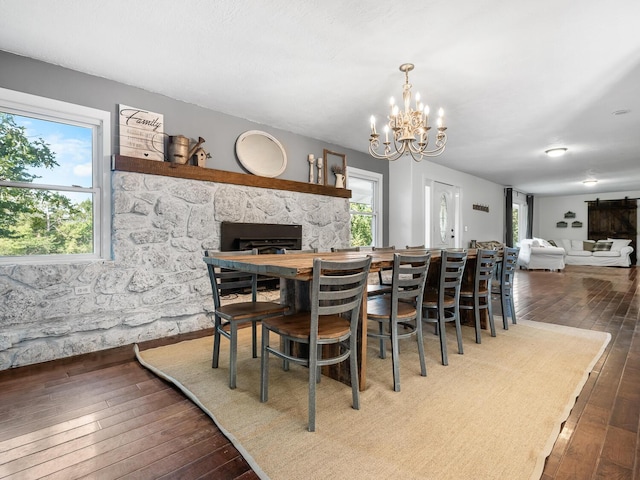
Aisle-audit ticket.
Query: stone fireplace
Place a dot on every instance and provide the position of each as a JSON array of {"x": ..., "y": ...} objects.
[{"x": 156, "y": 285}]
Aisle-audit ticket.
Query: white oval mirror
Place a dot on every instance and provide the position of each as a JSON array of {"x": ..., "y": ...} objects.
[{"x": 261, "y": 153}]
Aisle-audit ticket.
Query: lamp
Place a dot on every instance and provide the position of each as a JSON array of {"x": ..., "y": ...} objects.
[
  {"x": 556, "y": 152},
  {"x": 409, "y": 129}
]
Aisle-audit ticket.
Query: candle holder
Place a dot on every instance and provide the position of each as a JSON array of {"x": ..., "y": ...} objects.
[{"x": 312, "y": 162}]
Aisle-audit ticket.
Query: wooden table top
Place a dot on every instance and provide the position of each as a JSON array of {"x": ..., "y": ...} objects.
[{"x": 299, "y": 266}]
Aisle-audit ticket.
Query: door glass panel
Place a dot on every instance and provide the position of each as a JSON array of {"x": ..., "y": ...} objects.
[{"x": 443, "y": 218}]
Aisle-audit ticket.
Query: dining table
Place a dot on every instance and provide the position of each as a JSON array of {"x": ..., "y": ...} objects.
[{"x": 295, "y": 271}]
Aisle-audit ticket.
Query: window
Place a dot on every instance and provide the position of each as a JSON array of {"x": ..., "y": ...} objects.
[
  {"x": 516, "y": 223},
  {"x": 365, "y": 207},
  {"x": 55, "y": 182}
]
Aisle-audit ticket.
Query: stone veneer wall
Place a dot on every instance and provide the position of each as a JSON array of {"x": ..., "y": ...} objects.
[{"x": 157, "y": 284}]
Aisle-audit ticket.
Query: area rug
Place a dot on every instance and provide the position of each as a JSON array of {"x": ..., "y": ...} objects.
[{"x": 492, "y": 413}]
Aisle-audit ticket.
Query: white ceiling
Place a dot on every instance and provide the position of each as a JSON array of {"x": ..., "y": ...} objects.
[{"x": 514, "y": 77}]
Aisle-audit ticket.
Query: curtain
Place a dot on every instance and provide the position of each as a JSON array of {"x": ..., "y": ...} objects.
[
  {"x": 529, "y": 216},
  {"x": 508, "y": 217}
]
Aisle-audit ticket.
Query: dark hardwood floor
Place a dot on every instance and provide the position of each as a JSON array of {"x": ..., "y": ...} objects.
[{"x": 103, "y": 416}]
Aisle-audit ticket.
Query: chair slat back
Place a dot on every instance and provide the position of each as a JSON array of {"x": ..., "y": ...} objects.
[
  {"x": 409, "y": 277},
  {"x": 347, "y": 249},
  {"x": 288, "y": 250},
  {"x": 338, "y": 287},
  {"x": 509, "y": 260},
  {"x": 225, "y": 280},
  {"x": 485, "y": 268},
  {"x": 452, "y": 265}
]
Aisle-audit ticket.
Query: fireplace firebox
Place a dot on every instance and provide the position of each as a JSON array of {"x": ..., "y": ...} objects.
[{"x": 266, "y": 237}]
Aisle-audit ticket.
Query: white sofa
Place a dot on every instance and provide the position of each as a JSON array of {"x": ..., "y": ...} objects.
[
  {"x": 606, "y": 253},
  {"x": 539, "y": 254}
]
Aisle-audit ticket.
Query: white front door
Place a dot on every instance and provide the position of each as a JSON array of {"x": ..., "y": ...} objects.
[{"x": 443, "y": 216}]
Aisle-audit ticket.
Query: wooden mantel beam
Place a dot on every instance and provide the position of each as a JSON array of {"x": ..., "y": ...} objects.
[{"x": 152, "y": 167}]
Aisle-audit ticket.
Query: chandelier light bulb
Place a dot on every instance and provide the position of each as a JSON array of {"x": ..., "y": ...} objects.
[{"x": 409, "y": 128}]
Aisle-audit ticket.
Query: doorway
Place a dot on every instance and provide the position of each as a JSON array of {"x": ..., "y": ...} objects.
[
  {"x": 443, "y": 219},
  {"x": 614, "y": 219}
]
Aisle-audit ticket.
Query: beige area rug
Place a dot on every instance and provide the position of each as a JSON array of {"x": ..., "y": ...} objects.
[{"x": 493, "y": 413}]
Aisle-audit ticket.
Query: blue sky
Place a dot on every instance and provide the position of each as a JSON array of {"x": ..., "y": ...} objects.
[{"x": 72, "y": 148}]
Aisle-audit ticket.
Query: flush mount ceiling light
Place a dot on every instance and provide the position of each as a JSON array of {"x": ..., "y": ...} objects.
[
  {"x": 556, "y": 152},
  {"x": 624, "y": 111},
  {"x": 590, "y": 182},
  {"x": 408, "y": 128}
]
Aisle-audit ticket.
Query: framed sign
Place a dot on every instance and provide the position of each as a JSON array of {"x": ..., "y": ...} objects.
[
  {"x": 141, "y": 133},
  {"x": 334, "y": 163}
]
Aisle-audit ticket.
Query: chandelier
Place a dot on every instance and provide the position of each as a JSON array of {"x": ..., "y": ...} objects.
[{"x": 409, "y": 129}]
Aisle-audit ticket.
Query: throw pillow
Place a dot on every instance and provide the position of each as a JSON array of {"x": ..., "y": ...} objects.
[
  {"x": 587, "y": 245},
  {"x": 553, "y": 244},
  {"x": 602, "y": 246},
  {"x": 535, "y": 243},
  {"x": 619, "y": 243},
  {"x": 576, "y": 245}
]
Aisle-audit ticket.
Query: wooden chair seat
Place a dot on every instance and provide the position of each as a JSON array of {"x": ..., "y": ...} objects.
[
  {"x": 431, "y": 300},
  {"x": 380, "y": 307},
  {"x": 330, "y": 327},
  {"x": 249, "y": 310},
  {"x": 468, "y": 292}
]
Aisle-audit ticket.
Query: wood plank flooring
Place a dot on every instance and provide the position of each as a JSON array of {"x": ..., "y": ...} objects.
[{"x": 103, "y": 416}]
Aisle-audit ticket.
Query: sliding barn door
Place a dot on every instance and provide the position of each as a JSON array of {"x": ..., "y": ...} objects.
[{"x": 614, "y": 219}]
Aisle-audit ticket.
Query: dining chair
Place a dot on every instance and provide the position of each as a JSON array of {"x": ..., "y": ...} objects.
[
  {"x": 337, "y": 290},
  {"x": 443, "y": 301},
  {"x": 476, "y": 295},
  {"x": 504, "y": 288},
  {"x": 399, "y": 315},
  {"x": 229, "y": 316},
  {"x": 346, "y": 249},
  {"x": 415, "y": 247},
  {"x": 372, "y": 288},
  {"x": 383, "y": 280},
  {"x": 289, "y": 250}
]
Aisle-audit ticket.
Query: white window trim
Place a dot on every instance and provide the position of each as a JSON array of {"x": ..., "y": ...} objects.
[
  {"x": 26, "y": 104},
  {"x": 377, "y": 178}
]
